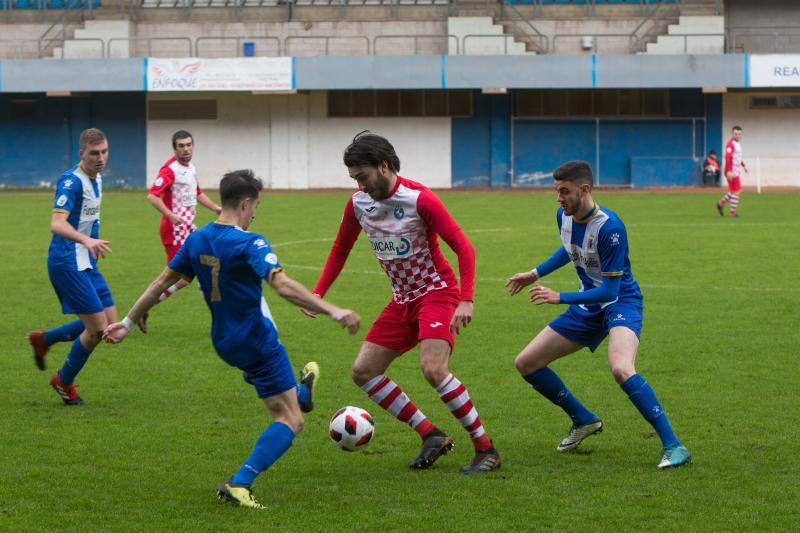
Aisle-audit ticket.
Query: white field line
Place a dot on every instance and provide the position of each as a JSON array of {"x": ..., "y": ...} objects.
[{"x": 557, "y": 283}]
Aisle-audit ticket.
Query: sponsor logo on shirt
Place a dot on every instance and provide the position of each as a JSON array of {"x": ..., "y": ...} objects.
[
  {"x": 390, "y": 247},
  {"x": 260, "y": 243},
  {"x": 62, "y": 200},
  {"x": 614, "y": 239},
  {"x": 90, "y": 211},
  {"x": 67, "y": 183}
]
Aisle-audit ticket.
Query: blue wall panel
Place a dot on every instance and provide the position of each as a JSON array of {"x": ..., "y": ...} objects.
[
  {"x": 37, "y": 149},
  {"x": 541, "y": 145},
  {"x": 664, "y": 172},
  {"x": 470, "y": 140},
  {"x": 622, "y": 140},
  {"x": 501, "y": 140}
]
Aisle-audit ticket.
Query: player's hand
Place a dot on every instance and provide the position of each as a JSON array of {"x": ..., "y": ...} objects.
[
  {"x": 519, "y": 281},
  {"x": 462, "y": 316},
  {"x": 97, "y": 247},
  {"x": 115, "y": 332},
  {"x": 729, "y": 176},
  {"x": 348, "y": 319},
  {"x": 542, "y": 295},
  {"x": 309, "y": 313}
]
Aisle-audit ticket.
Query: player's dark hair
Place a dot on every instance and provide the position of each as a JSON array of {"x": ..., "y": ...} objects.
[
  {"x": 368, "y": 149},
  {"x": 736, "y": 128},
  {"x": 180, "y": 134},
  {"x": 90, "y": 136},
  {"x": 712, "y": 152},
  {"x": 238, "y": 185},
  {"x": 575, "y": 171}
]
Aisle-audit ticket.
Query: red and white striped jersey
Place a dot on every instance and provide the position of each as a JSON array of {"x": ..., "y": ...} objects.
[
  {"x": 403, "y": 231},
  {"x": 176, "y": 185},
  {"x": 733, "y": 158}
]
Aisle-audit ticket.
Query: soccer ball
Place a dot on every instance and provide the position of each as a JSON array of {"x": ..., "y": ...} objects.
[{"x": 351, "y": 428}]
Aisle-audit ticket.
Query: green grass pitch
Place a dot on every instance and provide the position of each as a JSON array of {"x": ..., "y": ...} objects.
[{"x": 166, "y": 420}]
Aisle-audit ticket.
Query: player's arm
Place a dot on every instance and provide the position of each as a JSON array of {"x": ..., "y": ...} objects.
[
  {"x": 296, "y": 293},
  {"x": 61, "y": 227},
  {"x": 522, "y": 279},
  {"x": 345, "y": 239},
  {"x": 729, "y": 161},
  {"x": 439, "y": 219},
  {"x": 208, "y": 203},
  {"x": 161, "y": 207},
  {"x": 117, "y": 331}
]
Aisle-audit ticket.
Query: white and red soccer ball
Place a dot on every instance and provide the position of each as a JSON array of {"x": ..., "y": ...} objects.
[{"x": 351, "y": 428}]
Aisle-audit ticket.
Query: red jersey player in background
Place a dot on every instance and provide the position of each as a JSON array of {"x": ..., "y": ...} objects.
[
  {"x": 402, "y": 220},
  {"x": 733, "y": 171},
  {"x": 175, "y": 194}
]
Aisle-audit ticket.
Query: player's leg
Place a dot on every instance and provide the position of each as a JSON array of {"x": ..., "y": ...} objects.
[
  {"x": 434, "y": 361},
  {"x": 368, "y": 373},
  {"x": 63, "y": 381},
  {"x": 623, "y": 344},
  {"x": 42, "y": 340},
  {"x": 736, "y": 189},
  {"x": 171, "y": 250},
  {"x": 533, "y": 364}
]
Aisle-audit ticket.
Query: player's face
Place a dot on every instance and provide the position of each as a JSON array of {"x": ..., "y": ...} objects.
[
  {"x": 374, "y": 181},
  {"x": 249, "y": 207},
  {"x": 184, "y": 148},
  {"x": 737, "y": 135},
  {"x": 572, "y": 196},
  {"x": 94, "y": 157}
]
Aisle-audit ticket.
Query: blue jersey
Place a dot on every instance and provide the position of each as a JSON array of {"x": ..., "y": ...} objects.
[
  {"x": 597, "y": 245},
  {"x": 231, "y": 264},
  {"x": 78, "y": 195}
]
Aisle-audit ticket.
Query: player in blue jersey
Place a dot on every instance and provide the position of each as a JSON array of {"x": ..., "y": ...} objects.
[
  {"x": 609, "y": 303},
  {"x": 72, "y": 265},
  {"x": 231, "y": 263}
]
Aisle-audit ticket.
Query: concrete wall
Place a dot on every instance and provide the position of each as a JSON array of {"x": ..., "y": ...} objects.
[
  {"x": 763, "y": 26},
  {"x": 770, "y": 135},
  {"x": 291, "y": 143}
]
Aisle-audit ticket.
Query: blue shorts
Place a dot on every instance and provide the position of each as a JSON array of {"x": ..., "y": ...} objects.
[
  {"x": 589, "y": 329},
  {"x": 80, "y": 291},
  {"x": 271, "y": 375}
]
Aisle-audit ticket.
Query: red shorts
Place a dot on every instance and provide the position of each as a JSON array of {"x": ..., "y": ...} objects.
[
  {"x": 171, "y": 250},
  {"x": 401, "y": 326},
  {"x": 734, "y": 184}
]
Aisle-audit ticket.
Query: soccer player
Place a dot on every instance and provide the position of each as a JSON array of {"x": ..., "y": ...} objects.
[
  {"x": 72, "y": 265},
  {"x": 734, "y": 165},
  {"x": 609, "y": 304},
  {"x": 402, "y": 220},
  {"x": 175, "y": 194},
  {"x": 231, "y": 263}
]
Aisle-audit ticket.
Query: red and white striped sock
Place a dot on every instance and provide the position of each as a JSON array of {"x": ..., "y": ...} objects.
[
  {"x": 734, "y": 202},
  {"x": 456, "y": 397},
  {"x": 391, "y": 397},
  {"x": 167, "y": 293},
  {"x": 725, "y": 199}
]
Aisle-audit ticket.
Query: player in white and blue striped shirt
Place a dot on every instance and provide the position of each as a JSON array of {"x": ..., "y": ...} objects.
[{"x": 609, "y": 303}]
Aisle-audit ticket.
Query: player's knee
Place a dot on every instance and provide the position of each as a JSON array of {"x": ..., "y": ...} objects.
[
  {"x": 361, "y": 374},
  {"x": 525, "y": 364},
  {"x": 434, "y": 372},
  {"x": 297, "y": 423},
  {"x": 621, "y": 373}
]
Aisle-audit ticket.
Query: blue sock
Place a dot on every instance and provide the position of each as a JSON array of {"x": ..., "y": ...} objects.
[
  {"x": 549, "y": 385},
  {"x": 643, "y": 397},
  {"x": 303, "y": 394},
  {"x": 273, "y": 443},
  {"x": 76, "y": 358},
  {"x": 65, "y": 332}
]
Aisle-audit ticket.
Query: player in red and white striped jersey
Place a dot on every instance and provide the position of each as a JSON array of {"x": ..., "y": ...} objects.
[
  {"x": 402, "y": 220},
  {"x": 734, "y": 165},
  {"x": 175, "y": 194}
]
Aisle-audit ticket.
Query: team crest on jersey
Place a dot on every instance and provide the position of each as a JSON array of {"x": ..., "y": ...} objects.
[
  {"x": 62, "y": 200},
  {"x": 399, "y": 213},
  {"x": 67, "y": 183},
  {"x": 614, "y": 239},
  {"x": 271, "y": 258}
]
